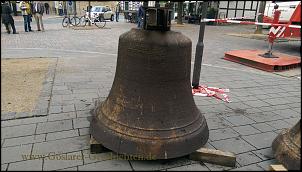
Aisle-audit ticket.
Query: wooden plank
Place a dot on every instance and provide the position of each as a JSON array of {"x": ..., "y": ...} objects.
[
  {"x": 214, "y": 156},
  {"x": 277, "y": 168},
  {"x": 96, "y": 147}
]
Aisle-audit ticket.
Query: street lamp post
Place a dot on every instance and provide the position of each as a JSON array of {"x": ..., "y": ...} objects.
[{"x": 199, "y": 47}]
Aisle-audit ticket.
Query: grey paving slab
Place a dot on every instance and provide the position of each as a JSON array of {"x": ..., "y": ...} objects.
[
  {"x": 4, "y": 167},
  {"x": 214, "y": 167},
  {"x": 61, "y": 116},
  {"x": 215, "y": 122},
  {"x": 262, "y": 140},
  {"x": 228, "y": 145},
  {"x": 279, "y": 124},
  {"x": 81, "y": 122},
  {"x": 246, "y": 130},
  {"x": 265, "y": 164},
  {"x": 62, "y": 146},
  {"x": 55, "y": 162},
  {"x": 24, "y": 140},
  {"x": 23, "y": 121},
  {"x": 256, "y": 103},
  {"x": 247, "y": 158},
  {"x": 16, "y": 131},
  {"x": 61, "y": 134},
  {"x": 68, "y": 108},
  {"x": 69, "y": 169},
  {"x": 110, "y": 165},
  {"x": 252, "y": 167},
  {"x": 84, "y": 131},
  {"x": 83, "y": 113},
  {"x": 263, "y": 116},
  {"x": 55, "y": 109},
  {"x": 263, "y": 127},
  {"x": 29, "y": 165},
  {"x": 191, "y": 167},
  {"x": 143, "y": 165},
  {"x": 264, "y": 154},
  {"x": 16, "y": 153},
  {"x": 222, "y": 134},
  {"x": 239, "y": 120},
  {"x": 287, "y": 113},
  {"x": 54, "y": 126}
]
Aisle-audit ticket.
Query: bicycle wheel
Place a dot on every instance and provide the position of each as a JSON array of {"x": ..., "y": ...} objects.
[
  {"x": 82, "y": 21},
  {"x": 99, "y": 22},
  {"x": 75, "y": 20},
  {"x": 65, "y": 22}
]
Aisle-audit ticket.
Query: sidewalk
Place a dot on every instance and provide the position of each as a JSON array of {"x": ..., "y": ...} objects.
[{"x": 262, "y": 103}]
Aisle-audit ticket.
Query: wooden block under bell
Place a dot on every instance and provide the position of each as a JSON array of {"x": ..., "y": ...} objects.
[
  {"x": 277, "y": 168},
  {"x": 214, "y": 156}
]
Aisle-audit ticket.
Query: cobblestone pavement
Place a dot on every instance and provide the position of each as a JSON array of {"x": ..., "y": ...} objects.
[{"x": 262, "y": 103}]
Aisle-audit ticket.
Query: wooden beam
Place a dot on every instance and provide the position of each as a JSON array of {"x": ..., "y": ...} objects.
[
  {"x": 277, "y": 168},
  {"x": 214, "y": 156}
]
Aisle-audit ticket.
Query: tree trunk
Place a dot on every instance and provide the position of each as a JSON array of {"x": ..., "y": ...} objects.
[
  {"x": 179, "y": 12},
  {"x": 89, "y": 13},
  {"x": 260, "y": 17}
]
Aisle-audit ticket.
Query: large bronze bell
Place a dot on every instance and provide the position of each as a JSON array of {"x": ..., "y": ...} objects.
[
  {"x": 150, "y": 110},
  {"x": 287, "y": 147}
]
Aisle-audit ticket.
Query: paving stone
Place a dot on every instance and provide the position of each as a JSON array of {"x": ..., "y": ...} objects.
[
  {"x": 192, "y": 167},
  {"x": 222, "y": 134},
  {"x": 4, "y": 167},
  {"x": 228, "y": 145},
  {"x": 215, "y": 122},
  {"x": 292, "y": 121},
  {"x": 261, "y": 140},
  {"x": 23, "y": 121},
  {"x": 62, "y": 134},
  {"x": 69, "y": 169},
  {"x": 246, "y": 130},
  {"x": 287, "y": 113},
  {"x": 214, "y": 167},
  {"x": 247, "y": 158},
  {"x": 112, "y": 165},
  {"x": 84, "y": 106},
  {"x": 91, "y": 158},
  {"x": 55, "y": 109},
  {"x": 263, "y": 116},
  {"x": 16, "y": 131},
  {"x": 263, "y": 127},
  {"x": 155, "y": 165},
  {"x": 81, "y": 122},
  {"x": 29, "y": 165},
  {"x": 62, "y": 146},
  {"x": 13, "y": 154},
  {"x": 61, "y": 116},
  {"x": 55, "y": 162},
  {"x": 84, "y": 131},
  {"x": 68, "y": 108},
  {"x": 265, "y": 164},
  {"x": 277, "y": 101},
  {"x": 85, "y": 113},
  {"x": 279, "y": 124},
  {"x": 256, "y": 103},
  {"x": 252, "y": 167},
  {"x": 24, "y": 140},
  {"x": 239, "y": 120},
  {"x": 54, "y": 126},
  {"x": 264, "y": 154}
]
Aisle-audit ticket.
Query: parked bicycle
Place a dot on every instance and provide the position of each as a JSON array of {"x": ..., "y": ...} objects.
[
  {"x": 73, "y": 21},
  {"x": 98, "y": 21}
]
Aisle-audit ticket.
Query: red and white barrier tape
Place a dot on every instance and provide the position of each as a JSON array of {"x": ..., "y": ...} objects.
[
  {"x": 206, "y": 91},
  {"x": 248, "y": 22}
]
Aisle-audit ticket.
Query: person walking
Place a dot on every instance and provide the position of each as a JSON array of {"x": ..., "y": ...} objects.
[
  {"x": 60, "y": 8},
  {"x": 38, "y": 10},
  {"x": 140, "y": 16},
  {"x": 7, "y": 18},
  {"x": 117, "y": 11},
  {"x": 46, "y": 5},
  {"x": 26, "y": 13}
]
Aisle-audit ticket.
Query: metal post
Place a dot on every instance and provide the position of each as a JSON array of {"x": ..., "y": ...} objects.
[
  {"x": 179, "y": 12},
  {"x": 260, "y": 17},
  {"x": 199, "y": 47},
  {"x": 89, "y": 13}
]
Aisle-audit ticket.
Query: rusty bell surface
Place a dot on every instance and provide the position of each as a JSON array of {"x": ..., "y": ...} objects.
[
  {"x": 287, "y": 147},
  {"x": 150, "y": 110}
]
